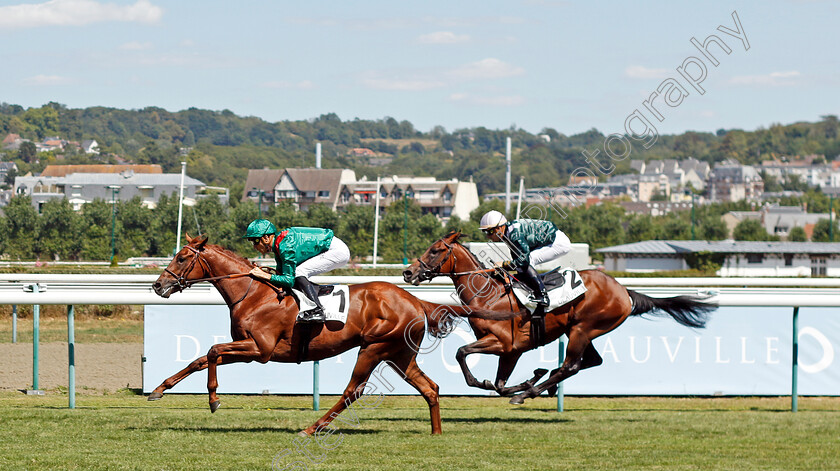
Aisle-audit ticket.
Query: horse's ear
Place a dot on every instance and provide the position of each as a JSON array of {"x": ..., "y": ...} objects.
[
  {"x": 200, "y": 241},
  {"x": 453, "y": 236},
  {"x": 189, "y": 239}
]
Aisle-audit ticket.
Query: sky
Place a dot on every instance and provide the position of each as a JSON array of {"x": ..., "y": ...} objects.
[{"x": 529, "y": 64}]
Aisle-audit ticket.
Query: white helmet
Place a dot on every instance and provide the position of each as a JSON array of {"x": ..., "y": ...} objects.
[{"x": 492, "y": 219}]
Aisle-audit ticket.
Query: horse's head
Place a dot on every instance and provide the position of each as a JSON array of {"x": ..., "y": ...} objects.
[
  {"x": 438, "y": 259},
  {"x": 186, "y": 265}
]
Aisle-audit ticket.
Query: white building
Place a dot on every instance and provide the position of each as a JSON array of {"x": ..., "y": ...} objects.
[{"x": 738, "y": 258}]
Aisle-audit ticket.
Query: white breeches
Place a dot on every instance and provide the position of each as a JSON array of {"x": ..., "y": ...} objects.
[
  {"x": 561, "y": 246},
  {"x": 335, "y": 257}
]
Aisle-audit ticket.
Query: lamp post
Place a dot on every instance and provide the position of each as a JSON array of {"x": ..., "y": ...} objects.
[
  {"x": 405, "y": 228},
  {"x": 114, "y": 191},
  {"x": 692, "y": 215}
]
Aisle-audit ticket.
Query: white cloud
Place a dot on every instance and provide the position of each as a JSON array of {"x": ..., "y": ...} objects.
[
  {"x": 410, "y": 85},
  {"x": 136, "y": 46},
  {"x": 773, "y": 79},
  {"x": 76, "y": 13},
  {"x": 641, "y": 72},
  {"x": 443, "y": 37},
  {"x": 46, "y": 80},
  {"x": 281, "y": 84},
  {"x": 489, "y": 68},
  {"x": 487, "y": 100}
]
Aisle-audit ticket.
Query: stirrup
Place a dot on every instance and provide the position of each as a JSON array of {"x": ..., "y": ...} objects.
[{"x": 312, "y": 316}]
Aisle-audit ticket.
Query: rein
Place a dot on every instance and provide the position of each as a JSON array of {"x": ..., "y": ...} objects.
[{"x": 184, "y": 283}]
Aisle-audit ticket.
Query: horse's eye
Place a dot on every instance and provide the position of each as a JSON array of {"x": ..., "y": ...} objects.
[{"x": 181, "y": 259}]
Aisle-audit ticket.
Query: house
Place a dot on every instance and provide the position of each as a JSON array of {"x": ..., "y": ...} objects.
[
  {"x": 777, "y": 220},
  {"x": 5, "y": 168},
  {"x": 81, "y": 188},
  {"x": 64, "y": 170},
  {"x": 90, "y": 146},
  {"x": 13, "y": 142},
  {"x": 737, "y": 258},
  {"x": 303, "y": 187},
  {"x": 337, "y": 188},
  {"x": 443, "y": 198},
  {"x": 735, "y": 182}
]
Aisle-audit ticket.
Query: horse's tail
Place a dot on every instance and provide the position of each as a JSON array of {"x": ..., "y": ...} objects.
[
  {"x": 686, "y": 310},
  {"x": 442, "y": 318}
]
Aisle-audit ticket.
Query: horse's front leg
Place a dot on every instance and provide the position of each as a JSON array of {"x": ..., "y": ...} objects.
[
  {"x": 233, "y": 352},
  {"x": 489, "y": 344},
  {"x": 197, "y": 365}
]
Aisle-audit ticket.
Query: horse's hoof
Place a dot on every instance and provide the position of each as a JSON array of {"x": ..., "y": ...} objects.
[
  {"x": 488, "y": 385},
  {"x": 552, "y": 391},
  {"x": 518, "y": 399},
  {"x": 303, "y": 433},
  {"x": 540, "y": 372},
  {"x": 155, "y": 396},
  {"x": 214, "y": 406}
]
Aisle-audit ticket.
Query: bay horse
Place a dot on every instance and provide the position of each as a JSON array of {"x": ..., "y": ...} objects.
[
  {"x": 386, "y": 321},
  {"x": 604, "y": 306}
]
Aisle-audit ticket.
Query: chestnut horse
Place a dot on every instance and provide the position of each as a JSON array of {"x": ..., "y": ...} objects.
[
  {"x": 386, "y": 321},
  {"x": 604, "y": 306}
]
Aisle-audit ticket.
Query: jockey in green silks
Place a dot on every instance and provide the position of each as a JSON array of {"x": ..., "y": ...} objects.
[
  {"x": 531, "y": 242},
  {"x": 300, "y": 252}
]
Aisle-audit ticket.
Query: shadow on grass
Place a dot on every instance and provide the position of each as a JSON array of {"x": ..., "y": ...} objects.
[
  {"x": 476, "y": 420},
  {"x": 174, "y": 428}
]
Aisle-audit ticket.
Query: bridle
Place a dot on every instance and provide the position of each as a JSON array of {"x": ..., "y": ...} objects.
[
  {"x": 428, "y": 272},
  {"x": 184, "y": 283}
]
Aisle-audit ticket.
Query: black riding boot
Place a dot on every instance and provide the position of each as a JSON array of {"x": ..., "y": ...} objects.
[
  {"x": 532, "y": 279},
  {"x": 317, "y": 314}
]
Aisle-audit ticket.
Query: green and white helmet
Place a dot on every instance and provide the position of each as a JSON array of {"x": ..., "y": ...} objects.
[{"x": 259, "y": 228}]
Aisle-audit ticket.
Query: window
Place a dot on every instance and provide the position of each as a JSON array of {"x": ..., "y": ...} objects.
[
  {"x": 755, "y": 258},
  {"x": 788, "y": 259},
  {"x": 818, "y": 265},
  {"x": 324, "y": 194}
]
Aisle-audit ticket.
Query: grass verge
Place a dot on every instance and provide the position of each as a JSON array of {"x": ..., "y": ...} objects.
[{"x": 124, "y": 431}]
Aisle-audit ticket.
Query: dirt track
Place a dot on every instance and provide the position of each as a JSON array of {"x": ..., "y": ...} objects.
[{"x": 99, "y": 366}]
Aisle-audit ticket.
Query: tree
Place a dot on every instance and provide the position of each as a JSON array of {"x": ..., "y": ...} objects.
[
  {"x": 751, "y": 229},
  {"x": 797, "y": 234},
  {"x": 59, "y": 231},
  {"x": 822, "y": 232},
  {"x": 23, "y": 225},
  {"x": 27, "y": 151},
  {"x": 712, "y": 227}
]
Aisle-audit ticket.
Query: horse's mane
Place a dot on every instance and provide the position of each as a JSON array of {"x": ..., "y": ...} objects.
[
  {"x": 229, "y": 253},
  {"x": 468, "y": 251}
]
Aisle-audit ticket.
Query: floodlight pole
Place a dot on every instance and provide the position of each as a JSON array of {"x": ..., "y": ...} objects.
[
  {"x": 180, "y": 209},
  {"x": 507, "y": 177},
  {"x": 376, "y": 221}
]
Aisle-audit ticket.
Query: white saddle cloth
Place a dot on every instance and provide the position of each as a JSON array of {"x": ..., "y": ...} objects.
[
  {"x": 570, "y": 290},
  {"x": 336, "y": 304}
]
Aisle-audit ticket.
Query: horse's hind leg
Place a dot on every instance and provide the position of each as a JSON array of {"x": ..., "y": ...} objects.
[
  {"x": 591, "y": 358},
  {"x": 414, "y": 376},
  {"x": 369, "y": 356},
  {"x": 197, "y": 365},
  {"x": 578, "y": 343}
]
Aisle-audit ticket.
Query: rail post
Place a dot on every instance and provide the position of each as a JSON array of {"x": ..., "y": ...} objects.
[
  {"x": 71, "y": 357},
  {"x": 14, "y": 323},
  {"x": 316, "y": 394},
  {"x": 36, "y": 337},
  {"x": 794, "y": 380},
  {"x": 561, "y": 356}
]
